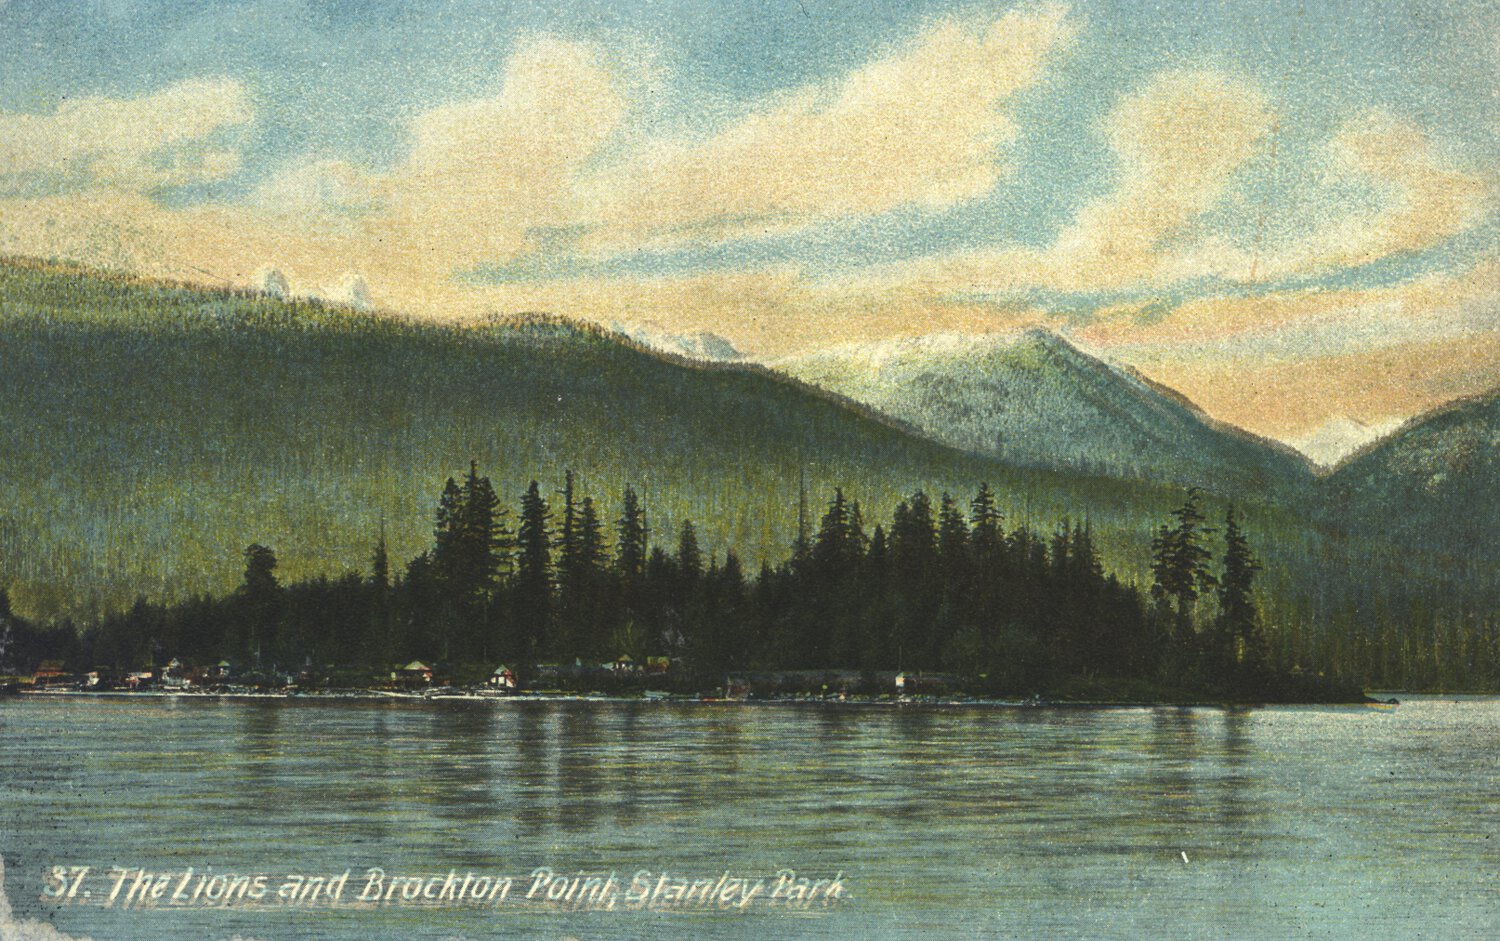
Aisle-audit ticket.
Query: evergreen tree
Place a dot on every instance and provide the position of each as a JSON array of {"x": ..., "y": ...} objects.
[
  {"x": 1238, "y": 625},
  {"x": 260, "y": 598},
  {"x": 803, "y": 545},
  {"x": 631, "y": 547},
  {"x": 984, "y": 525},
  {"x": 632, "y": 532},
  {"x": 485, "y": 540},
  {"x": 380, "y": 564},
  {"x": 689, "y": 556},
  {"x": 1179, "y": 563},
  {"x": 582, "y": 581},
  {"x": 915, "y": 581},
  {"x": 830, "y": 583},
  {"x": 567, "y": 535},
  {"x": 532, "y": 591},
  {"x": 380, "y": 643},
  {"x": 447, "y": 527},
  {"x": 955, "y": 567}
]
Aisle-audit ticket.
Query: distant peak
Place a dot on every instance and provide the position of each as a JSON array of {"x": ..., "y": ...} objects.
[
  {"x": 1053, "y": 341},
  {"x": 701, "y": 344},
  {"x": 1341, "y": 436}
]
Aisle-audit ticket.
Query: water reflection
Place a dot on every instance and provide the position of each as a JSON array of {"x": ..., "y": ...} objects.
[
  {"x": 580, "y": 780},
  {"x": 528, "y": 768},
  {"x": 1235, "y": 787},
  {"x": 953, "y": 823}
]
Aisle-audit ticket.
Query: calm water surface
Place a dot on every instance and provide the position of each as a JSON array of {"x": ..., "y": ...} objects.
[{"x": 965, "y": 823}]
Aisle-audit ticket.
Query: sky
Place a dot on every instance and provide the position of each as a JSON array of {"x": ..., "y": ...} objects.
[{"x": 1285, "y": 210}]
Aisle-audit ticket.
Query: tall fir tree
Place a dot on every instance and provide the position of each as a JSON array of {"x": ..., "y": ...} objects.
[
  {"x": 1239, "y": 639},
  {"x": 689, "y": 555},
  {"x": 631, "y": 546},
  {"x": 1179, "y": 564},
  {"x": 532, "y": 590}
]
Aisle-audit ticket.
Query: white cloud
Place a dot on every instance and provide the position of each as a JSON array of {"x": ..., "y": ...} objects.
[
  {"x": 133, "y": 143},
  {"x": 1179, "y": 142},
  {"x": 1425, "y": 199},
  {"x": 326, "y": 194},
  {"x": 920, "y": 127},
  {"x": 481, "y": 173}
]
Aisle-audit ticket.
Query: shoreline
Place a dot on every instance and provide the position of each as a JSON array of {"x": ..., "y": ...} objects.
[{"x": 372, "y": 696}]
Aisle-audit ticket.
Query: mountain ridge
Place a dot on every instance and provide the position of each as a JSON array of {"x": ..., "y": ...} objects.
[
  {"x": 149, "y": 430},
  {"x": 1034, "y": 398}
]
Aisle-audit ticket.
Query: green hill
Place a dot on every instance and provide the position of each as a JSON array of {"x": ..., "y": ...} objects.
[
  {"x": 149, "y": 431},
  {"x": 1033, "y": 399},
  {"x": 1434, "y": 484}
]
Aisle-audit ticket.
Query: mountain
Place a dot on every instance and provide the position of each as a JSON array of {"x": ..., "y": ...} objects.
[
  {"x": 150, "y": 431},
  {"x": 1338, "y": 438},
  {"x": 1433, "y": 484},
  {"x": 703, "y": 344},
  {"x": 1034, "y": 399}
]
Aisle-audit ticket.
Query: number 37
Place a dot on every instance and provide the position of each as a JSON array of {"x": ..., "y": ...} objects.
[{"x": 63, "y": 881}]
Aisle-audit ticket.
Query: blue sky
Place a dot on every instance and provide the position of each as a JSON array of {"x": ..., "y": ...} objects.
[{"x": 739, "y": 166}]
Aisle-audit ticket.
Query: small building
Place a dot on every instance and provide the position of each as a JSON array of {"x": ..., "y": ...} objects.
[
  {"x": 904, "y": 684},
  {"x": 415, "y": 673},
  {"x": 175, "y": 676},
  {"x": 624, "y": 663},
  {"x": 220, "y": 671},
  {"x": 658, "y": 664},
  {"x": 47, "y": 670},
  {"x": 503, "y": 678}
]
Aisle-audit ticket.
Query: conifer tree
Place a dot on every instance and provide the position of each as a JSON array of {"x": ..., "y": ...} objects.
[
  {"x": 916, "y": 587},
  {"x": 1238, "y": 623},
  {"x": 582, "y": 583},
  {"x": 984, "y": 525},
  {"x": 379, "y": 645},
  {"x": 689, "y": 556},
  {"x": 260, "y": 595},
  {"x": 567, "y": 534},
  {"x": 533, "y": 581},
  {"x": 1179, "y": 563},
  {"x": 633, "y": 534}
]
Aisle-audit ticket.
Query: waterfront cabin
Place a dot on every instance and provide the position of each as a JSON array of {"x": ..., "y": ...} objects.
[
  {"x": 415, "y": 673},
  {"x": 904, "y": 684},
  {"x": 175, "y": 675},
  {"x": 503, "y": 678},
  {"x": 624, "y": 663},
  {"x": 49, "y": 675},
  {"x": 102, "y": 678}
]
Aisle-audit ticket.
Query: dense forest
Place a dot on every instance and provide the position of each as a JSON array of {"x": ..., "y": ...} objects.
[
  {"x": 313, "y": 428},
  {"x": 941, "y": 586}
]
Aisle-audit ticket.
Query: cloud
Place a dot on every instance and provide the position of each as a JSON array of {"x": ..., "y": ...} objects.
[
  {"x": 482, "y": 173},
  {"x": 485, "y": 180},
  {"x": 1310, "y": 323},
  {"x": 1179, "y": 142},
  {"x": 920, "y": 127},
  {"x": 1278, "y": 363},
  {"x": 161, "y": 139},
  {"x": 321, "y": 194},
  {"x": 1423, "y": 199}
]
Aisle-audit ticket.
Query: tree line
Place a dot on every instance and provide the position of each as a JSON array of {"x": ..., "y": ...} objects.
[{"x": 941, "y": 586}]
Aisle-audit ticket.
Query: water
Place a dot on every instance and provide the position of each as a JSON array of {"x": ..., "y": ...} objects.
[{"x": 963, "y": 823}]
